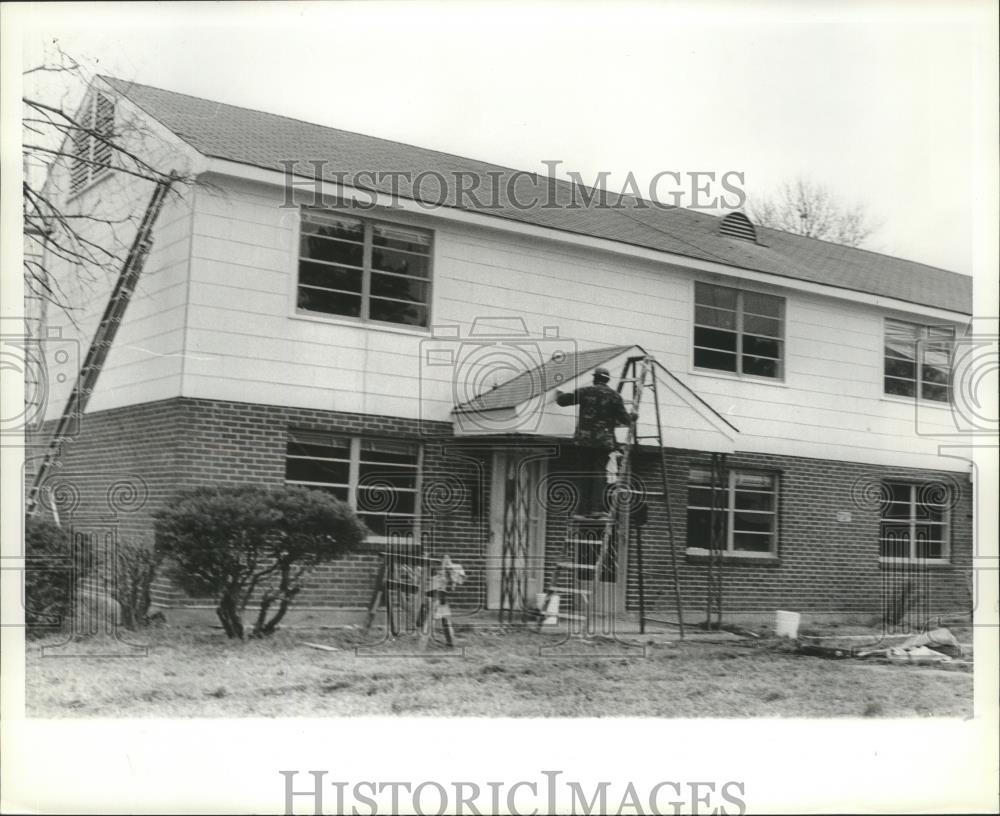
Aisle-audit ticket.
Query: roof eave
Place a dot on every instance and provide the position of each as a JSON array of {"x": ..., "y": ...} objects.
[{"x": 247, "y": 172}]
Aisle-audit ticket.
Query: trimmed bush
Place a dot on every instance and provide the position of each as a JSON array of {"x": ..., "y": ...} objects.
[
  {"x": 49, "y": 575},
  {"x": 251, "y": 543},
  {"x": 135, "y": 568}
]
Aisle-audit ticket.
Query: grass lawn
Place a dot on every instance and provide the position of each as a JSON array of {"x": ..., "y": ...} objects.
[{"x": 199, "y": 673}]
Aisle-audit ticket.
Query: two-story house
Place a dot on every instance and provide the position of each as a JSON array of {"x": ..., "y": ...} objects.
[{"x": 319, "y": 309}]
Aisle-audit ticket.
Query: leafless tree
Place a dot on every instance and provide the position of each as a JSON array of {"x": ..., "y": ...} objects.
[
  {"x": 808, "y": 208},
  {"x": 58, "y": 130}
]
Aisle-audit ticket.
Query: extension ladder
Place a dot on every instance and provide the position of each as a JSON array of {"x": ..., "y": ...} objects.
[{"x": 104, "y": 336}]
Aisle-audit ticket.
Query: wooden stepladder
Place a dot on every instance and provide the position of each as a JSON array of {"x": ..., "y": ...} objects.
[
  {"x": 581, "y": 589},
  {"x": 590, "y": 578},
  {"x": 104, "y": 336}
]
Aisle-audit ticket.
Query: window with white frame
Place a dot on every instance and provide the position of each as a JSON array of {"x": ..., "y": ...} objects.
[
  {"x": 378, "y": 478},
  {"x": 737, "y": 331},
  {"x": 915, "y": 523},
  {"x": 918, "y": 360},
  {"x": 360, "y": 268},
  {"x": 748, "y": 501},
  {"x": 92, "y": 142}
]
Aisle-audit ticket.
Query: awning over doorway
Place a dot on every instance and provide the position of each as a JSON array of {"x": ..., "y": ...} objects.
[{"x": 525, "y": 403}]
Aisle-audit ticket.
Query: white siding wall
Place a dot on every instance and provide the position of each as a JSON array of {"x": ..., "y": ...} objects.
[
  {"x": 244, "y": 341},
  {"x": 146, "y": 360}
]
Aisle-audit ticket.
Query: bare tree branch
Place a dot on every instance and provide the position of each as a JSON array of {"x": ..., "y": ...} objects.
[
  {"x": 805, "y": 207},
  {"x": 88, "y": 241}
]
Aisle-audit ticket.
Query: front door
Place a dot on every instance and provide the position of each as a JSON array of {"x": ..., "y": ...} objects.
[{"x": 516, "y": 550}]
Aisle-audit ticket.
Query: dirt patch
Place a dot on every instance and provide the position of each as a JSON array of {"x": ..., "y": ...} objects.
[{"x": 507, "y": 672}]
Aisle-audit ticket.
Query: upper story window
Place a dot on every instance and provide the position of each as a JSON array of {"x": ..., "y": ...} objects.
[
  {"x": 364, "y": 269},
  {"x": 92, "y": 142},
  {"x": 915, "y": 522},
  {"x": 746, "y": 508},
  {"x": 378, "y": 478},
  {"x": 918, "y": 360},
  {"x": 737, "y": 331}
]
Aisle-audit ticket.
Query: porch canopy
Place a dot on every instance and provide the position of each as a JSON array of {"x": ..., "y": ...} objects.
[{"x": 525, "y": 405}]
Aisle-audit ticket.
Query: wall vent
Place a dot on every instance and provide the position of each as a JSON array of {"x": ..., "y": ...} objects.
[{"x": 737, "y": 225}]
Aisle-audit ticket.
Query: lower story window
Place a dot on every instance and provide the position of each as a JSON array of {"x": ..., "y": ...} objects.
[
  {"x": 378, "y": 478},
  {"x": 747, "y": 505},
  {"x": 915, "y": 522}
]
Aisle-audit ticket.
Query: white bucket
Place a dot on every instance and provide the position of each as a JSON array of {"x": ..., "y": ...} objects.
[
  {"x": 786, "y": 624},
  {"x": 550, "y": 611}
]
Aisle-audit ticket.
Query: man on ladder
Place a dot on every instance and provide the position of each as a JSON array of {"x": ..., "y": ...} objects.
[{"x": 601, "y": 411}]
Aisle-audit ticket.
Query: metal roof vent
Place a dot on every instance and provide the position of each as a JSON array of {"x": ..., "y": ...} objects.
[{"x": 737, "y": 225}]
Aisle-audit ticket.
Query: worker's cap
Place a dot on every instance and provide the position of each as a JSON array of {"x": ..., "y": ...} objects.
[{"x": 602, "y": 373}]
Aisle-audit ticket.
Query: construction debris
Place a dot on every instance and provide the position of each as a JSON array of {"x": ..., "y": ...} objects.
[
  {"x": 830, "y": 652},
  {"x": 320, "y": 646},
  {"x": 940, "y": 640},
  {"x": 917, "y": 655},
  {"x": 933, "y": 647}
]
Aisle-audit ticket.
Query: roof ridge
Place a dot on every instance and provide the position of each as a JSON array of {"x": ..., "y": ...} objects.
[
  {"x": 639, "y": 222},
  {"x": 490, "y": 164}
]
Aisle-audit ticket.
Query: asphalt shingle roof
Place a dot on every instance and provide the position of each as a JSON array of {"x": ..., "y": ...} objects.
[{"x": 266, "y": 140}]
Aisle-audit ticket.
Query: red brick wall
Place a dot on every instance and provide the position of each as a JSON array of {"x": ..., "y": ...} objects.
[
  {"x": 161, "y": 448},
  {"x": 120, "y": 466},
  {"x": 823, "y": 564}
]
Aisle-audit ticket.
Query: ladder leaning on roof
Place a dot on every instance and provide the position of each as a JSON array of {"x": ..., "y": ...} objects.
[{"x": 104, "y": 336}]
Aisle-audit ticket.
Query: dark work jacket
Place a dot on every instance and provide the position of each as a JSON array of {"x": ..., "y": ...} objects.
[{"x": 601, "y": 411}]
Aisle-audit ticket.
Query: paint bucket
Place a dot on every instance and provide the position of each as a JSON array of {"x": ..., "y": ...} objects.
[
  {"x": 550, "y": 611},
  {"x": 786, "y": 624}
]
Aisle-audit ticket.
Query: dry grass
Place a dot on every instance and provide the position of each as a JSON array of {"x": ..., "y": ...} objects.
[{"x": 198, "y": 673}]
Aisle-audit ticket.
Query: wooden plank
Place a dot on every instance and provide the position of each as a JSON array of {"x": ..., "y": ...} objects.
[{"x": 321, "y": 647}]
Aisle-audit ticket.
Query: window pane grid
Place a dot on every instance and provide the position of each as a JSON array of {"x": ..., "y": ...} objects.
[
  {"x": 912, "y": 529},
  {"x": 750, "y": 529},
  {"x": 379, "y": 479},
  {"x": 392, "y": 265},
  {"x": 915, "y": 354},
  {"x": 738, "y": 331}
]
